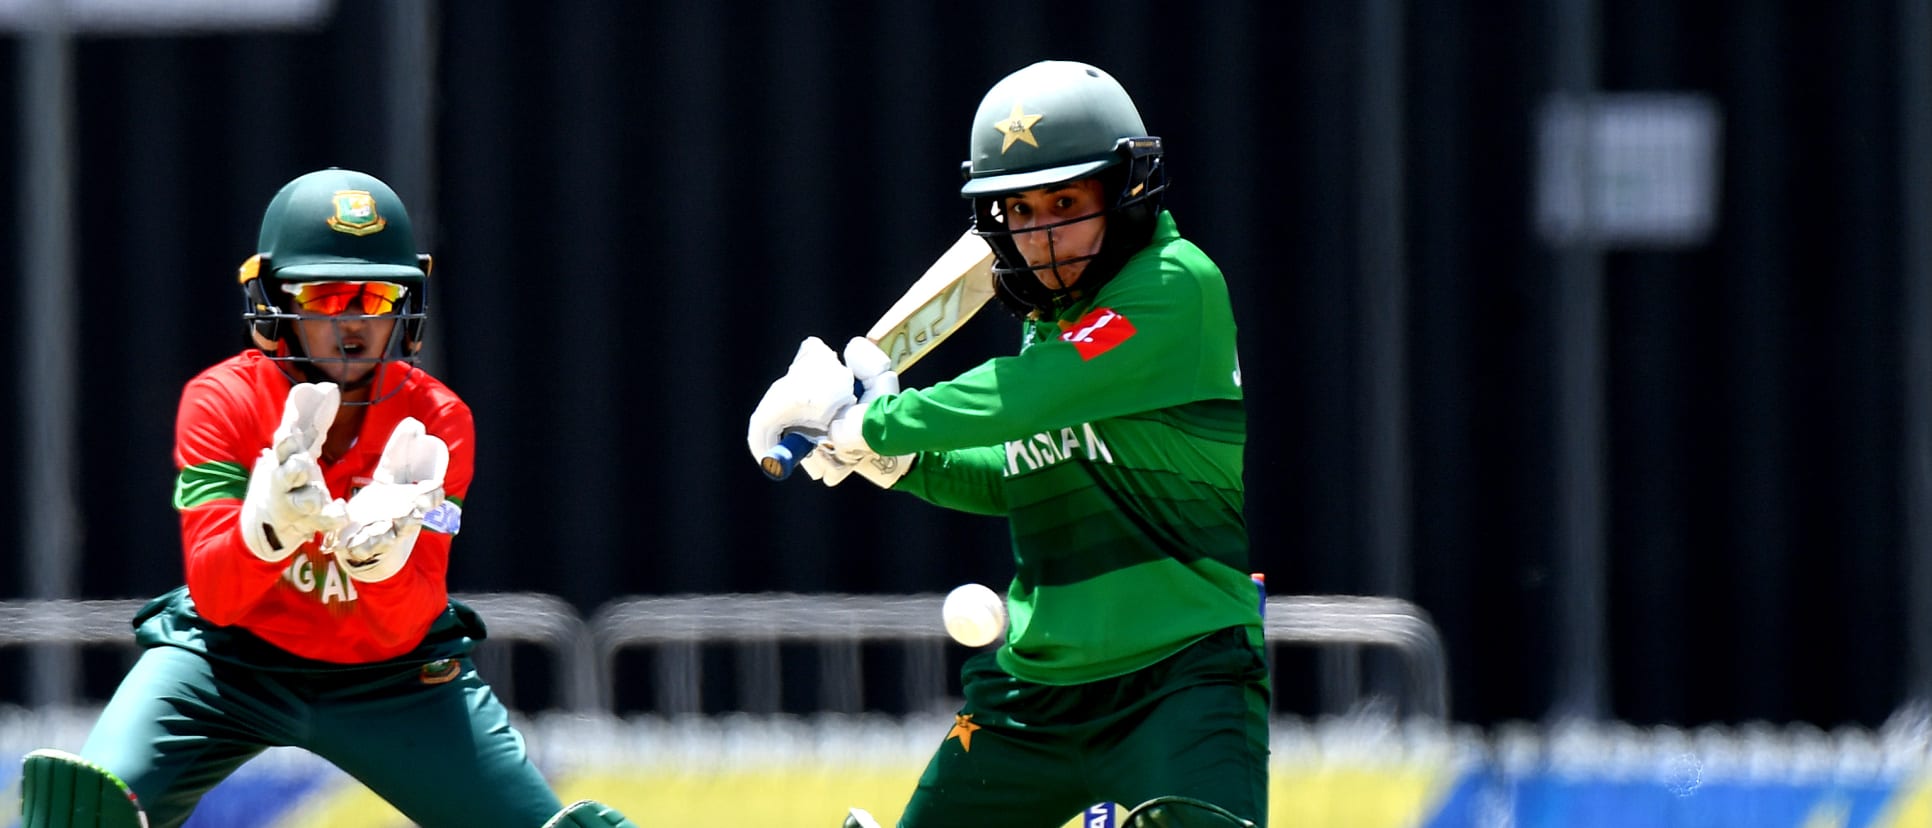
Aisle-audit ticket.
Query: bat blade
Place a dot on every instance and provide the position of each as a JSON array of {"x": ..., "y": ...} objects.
[{"x": 953, "y": 288}]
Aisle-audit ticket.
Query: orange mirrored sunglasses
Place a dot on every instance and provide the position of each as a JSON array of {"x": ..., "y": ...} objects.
[{"x": 332, "y": 298}]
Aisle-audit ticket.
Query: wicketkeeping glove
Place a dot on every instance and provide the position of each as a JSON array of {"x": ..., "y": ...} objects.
[
  {"x": 804, "y": 399},
  {"x": 382, "y": 520},
  {"x": 840, "y": 456},
  {"x": 287, "y": 501}
]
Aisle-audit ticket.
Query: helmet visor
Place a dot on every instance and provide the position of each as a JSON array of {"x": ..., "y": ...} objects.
[
  {"x": 995, "y": 184},
  {"x": 336, "y": 298}
]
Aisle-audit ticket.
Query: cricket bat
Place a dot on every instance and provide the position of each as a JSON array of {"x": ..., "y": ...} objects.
[{"x": 953, "y": 288}]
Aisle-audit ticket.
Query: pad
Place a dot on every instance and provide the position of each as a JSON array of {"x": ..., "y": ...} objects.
[
  {"x": 1181, "y": 812},
  {"x": 859, "y": 818},
  {"x": 61, "y": 790},
  {"x": 589, "y": 813}
]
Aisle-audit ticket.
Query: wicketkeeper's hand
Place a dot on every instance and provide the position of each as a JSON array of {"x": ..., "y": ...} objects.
[
  {"x": 805, "y": 399},
  {"x": 287, "y": 501},
  {"x": 845, "y": 450},
  {"x": 382, "y": 520}
]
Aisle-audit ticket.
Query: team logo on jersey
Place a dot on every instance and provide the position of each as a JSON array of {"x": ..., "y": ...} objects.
[
  {"x": 1097, "y": 332},
  {"x": 1017, "y": 127},
  {"x": 441, "y": 671},
  {"x": 963, "y": 728},
  {"x": 355, "y": 213}
]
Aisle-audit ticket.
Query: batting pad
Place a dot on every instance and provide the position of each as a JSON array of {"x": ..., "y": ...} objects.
[
  {"x": 61, "y": 790},
  {"x": 587, "y": 813},
  {"x": 1181, "y": 812}
]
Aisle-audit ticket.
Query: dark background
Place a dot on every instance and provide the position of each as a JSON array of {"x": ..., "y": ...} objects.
[{"x": 641, "y": 206}]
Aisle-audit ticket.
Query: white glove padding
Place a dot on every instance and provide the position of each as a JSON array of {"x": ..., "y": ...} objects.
[
  {"x": 804, "y": 399},
  {"x": 846, "y": 434},
  {"x": 288, "y": 500},
  {"x": 382, "y": 520},
  {"x": 835, "y": 459},
  {"x": 871, "y": 367},
  {"x": 831, "y": 468},
  {"x": 873, "y": 370}
]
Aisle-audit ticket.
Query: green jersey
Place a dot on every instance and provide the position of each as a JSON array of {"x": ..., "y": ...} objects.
[{"x": 1113, "y": 444}]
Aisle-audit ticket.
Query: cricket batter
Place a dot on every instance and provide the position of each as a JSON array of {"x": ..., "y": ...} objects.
[
  {"x": 321, "y": 481},
  {"x": 1133, "y": 669}
]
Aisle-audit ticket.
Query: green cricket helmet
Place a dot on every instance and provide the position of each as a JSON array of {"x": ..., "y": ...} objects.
[
  {"x": 337, "y": 244},
  {"x": 1051, "y": 123}
]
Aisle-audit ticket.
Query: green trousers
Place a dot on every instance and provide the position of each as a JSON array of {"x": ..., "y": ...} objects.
[
  {"x": 432, "y": 740},
  {"x": 1023, "y": 755}
]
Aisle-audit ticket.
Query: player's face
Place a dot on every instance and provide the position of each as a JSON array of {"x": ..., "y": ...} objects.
[
  {"x": 1045, "y": 247},
  {"x": 331, "y": 342},
  {"x": 346, "y": 328}
]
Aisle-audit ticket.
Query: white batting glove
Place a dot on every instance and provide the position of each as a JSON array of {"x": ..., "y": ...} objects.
[
  {"x": 288, "y": 500},
  {"x": 844, "y": 450},
  {"x": 871, "y": 367},
  {"x": 804, "y": 399},
  {"x": 829, "y": 467},
  {"x": 382, "y": 520}
]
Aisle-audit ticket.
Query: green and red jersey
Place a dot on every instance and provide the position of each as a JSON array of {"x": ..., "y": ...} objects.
[
  {"x": 306, "y": 605},
  {"x": 1113, "y": 444}
]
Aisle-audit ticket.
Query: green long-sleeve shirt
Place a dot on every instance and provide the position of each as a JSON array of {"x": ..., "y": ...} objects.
[{"x": 1113, "y": 444}]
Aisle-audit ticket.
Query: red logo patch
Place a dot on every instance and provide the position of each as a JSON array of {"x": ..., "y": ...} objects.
[{"x": 1097, "y": 332}]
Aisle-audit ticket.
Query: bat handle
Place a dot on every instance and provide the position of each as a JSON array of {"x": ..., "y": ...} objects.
[{"x": 782, "y": 458}]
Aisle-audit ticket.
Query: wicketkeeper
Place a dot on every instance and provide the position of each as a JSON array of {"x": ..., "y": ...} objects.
[{"x": 322, "y": 476}]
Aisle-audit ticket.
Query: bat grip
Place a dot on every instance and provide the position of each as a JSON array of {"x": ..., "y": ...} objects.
[{"x": 779, "y": 461}]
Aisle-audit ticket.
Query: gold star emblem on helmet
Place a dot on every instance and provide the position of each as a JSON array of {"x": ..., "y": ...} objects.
[{"x": 1016, "y": 127}]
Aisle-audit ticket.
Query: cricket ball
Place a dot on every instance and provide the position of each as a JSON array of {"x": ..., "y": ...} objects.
[{"x": 975, "y": 616}]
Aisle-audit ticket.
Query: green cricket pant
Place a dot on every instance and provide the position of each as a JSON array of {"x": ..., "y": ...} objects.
[
  {"x": 1024, "y": 755},
  {"x": 434, "y": 742}
]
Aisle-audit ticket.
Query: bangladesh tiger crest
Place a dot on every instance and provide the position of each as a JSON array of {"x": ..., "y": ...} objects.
[{"x": 355, "y": 213}]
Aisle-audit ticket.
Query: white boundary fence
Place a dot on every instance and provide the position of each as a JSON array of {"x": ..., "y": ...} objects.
[{"x": 584, "y": 652}]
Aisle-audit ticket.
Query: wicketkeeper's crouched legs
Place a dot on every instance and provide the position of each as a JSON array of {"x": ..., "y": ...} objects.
[{"x": 61, "y": 790}]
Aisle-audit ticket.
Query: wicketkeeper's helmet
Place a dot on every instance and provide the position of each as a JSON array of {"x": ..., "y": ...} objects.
[
  {"x": 350, "y": 230},
  {"x": 1050, "y": 123}
]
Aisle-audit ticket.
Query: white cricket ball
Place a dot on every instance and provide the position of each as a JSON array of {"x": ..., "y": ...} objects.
[{"x": 975, "y": 616}]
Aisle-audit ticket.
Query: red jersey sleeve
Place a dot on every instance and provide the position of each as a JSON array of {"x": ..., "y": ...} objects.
[{"x": 218, "y": 435}]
